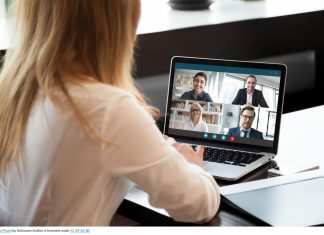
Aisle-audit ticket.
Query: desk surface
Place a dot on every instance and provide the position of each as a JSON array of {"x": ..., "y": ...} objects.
[{"x": 301, "y": 137}]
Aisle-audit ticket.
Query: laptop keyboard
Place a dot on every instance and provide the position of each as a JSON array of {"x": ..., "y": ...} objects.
[{"x": 231, "y": 157}]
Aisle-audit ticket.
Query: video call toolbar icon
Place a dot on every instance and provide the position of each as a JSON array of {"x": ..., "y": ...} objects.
[{"x": 215, "y": 136}]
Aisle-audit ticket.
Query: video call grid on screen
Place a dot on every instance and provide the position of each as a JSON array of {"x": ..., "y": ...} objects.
[{"x": 220, "y": 115}]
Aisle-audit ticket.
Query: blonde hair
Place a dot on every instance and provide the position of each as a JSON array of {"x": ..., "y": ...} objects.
[
  {"x": 98, "y": 34},
  {"x": 197, "y": 105}
]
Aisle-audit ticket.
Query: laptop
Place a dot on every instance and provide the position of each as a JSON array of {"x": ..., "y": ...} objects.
[{"x": 208, "y": 105}]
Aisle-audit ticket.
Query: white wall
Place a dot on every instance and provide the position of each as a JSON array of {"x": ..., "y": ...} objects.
[{"x": 2, "y": 9}]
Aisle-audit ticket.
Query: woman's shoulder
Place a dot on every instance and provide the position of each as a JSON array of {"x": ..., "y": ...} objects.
[{"x": 99, "y": 92}]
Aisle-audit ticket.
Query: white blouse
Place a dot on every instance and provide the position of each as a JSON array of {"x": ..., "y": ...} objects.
[
  {"x": 200, "y": 126},
  {"x": 65, "y": 178}
]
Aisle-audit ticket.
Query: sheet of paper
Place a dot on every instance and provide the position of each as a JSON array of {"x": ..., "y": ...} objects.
[
  {"x": 270, "y": 182},
  {"x": 138, "y": 196},
  {"x": 293, "y": 168}
]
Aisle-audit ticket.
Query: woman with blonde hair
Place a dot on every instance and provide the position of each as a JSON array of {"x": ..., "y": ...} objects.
[
  {"x": 195, "y": 122},
  {"x": 69, "y": 150}
]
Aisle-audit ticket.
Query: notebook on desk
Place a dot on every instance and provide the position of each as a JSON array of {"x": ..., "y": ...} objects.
[
  {"x": 208, "y": 104},
  {"x": 295, "y": 200}
]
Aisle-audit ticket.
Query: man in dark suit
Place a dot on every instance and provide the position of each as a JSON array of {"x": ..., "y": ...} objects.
[
  {"x": 246, "y": 121},
  {"x": 250, "y": 95}
]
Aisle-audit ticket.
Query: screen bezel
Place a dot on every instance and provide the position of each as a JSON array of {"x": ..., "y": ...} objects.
[{"x": 230, "y": 63}]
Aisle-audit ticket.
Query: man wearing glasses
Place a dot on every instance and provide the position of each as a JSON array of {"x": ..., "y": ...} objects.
[{"x": 246, "y": 120}]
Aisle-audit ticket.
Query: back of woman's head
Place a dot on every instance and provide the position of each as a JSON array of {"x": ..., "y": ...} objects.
[
  {"x": 52, "y": 36},
  {"x": 99, "y": 34}
]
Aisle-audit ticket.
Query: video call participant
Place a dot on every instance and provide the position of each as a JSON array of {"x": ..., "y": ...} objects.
[
  {"x": 198, "y": 93},
  {"x": 250, "y": 95},
  {"x": 195, "y": 122},
  {"x": 246, "y": 121}
]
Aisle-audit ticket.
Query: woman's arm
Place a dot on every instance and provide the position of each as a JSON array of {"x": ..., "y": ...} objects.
[{"x": 140, "y": 152}]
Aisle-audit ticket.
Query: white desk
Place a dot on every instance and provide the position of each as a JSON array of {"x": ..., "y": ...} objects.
[{"x": 301, "y": 139}]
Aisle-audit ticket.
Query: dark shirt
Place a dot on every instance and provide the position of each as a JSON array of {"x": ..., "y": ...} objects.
[
  {"x": 236, "y": 131},
  {"x": 203, "y": 96},
  {"x": 257, "y": 98}
]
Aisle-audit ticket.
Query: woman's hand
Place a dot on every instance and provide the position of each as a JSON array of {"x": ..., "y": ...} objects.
[{"x": 192, "y": 156}]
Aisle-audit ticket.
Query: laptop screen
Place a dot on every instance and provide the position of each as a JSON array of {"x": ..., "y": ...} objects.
[{"x": 225, "y": 102}]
